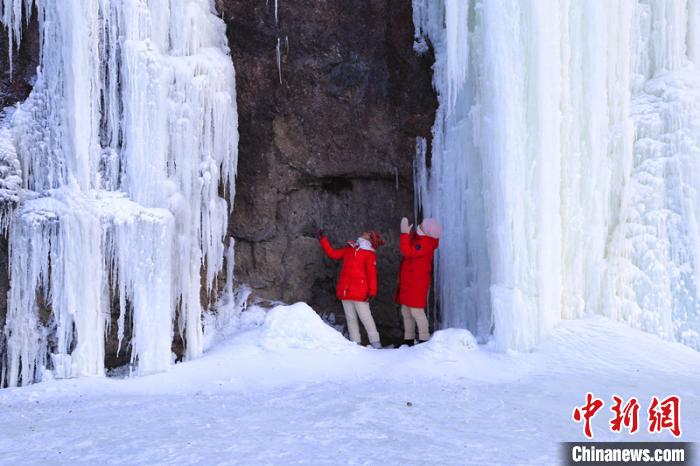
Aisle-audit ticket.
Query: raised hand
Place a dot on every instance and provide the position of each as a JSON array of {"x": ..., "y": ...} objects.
[{"x": 405, "y": 227}]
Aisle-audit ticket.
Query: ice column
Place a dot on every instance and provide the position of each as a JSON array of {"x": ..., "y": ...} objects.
[
  {"x": 125, "y": 145},
  {"x": 564, "y": 164}
]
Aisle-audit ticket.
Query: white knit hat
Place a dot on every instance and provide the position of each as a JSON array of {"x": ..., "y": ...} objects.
[{"x": 431, "y": 228}]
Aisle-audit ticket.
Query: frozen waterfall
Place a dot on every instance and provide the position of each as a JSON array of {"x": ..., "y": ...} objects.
[
  {"x": 565, "y": 163},
  {"x": 126, "y": 147}
]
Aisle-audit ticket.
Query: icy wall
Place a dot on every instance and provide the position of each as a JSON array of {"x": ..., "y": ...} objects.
[
  {"x": 565, "y": 163},
  {"x": 125, "y": 151}
]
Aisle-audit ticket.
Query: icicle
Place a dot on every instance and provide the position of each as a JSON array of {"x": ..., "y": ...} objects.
[
  {"x": 693, "y": 29},
  {"x": 26, "y": 347},
  {"x": 12, "y": 15},
  {"x": 232, "y": 303},
  {"x": 145, "y": 272},
  {"x": 230, "y": 263},
  {"x": 420, "y": 175},
  {"x": 10, "y": 180},
  {"x": 456, "y": 45},
  {"x": 279, "y": 62}
]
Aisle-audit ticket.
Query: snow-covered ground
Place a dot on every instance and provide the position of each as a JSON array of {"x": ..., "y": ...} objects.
[{"x": 287, "y": 389}]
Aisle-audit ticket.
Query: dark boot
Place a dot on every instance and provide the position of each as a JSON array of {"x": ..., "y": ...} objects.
[{"x": 409, "y": 342}]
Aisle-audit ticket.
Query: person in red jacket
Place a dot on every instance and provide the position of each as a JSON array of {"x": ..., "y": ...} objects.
[
  {"x": 417, "y": 248},
  {"x": 358, "y": 281}
]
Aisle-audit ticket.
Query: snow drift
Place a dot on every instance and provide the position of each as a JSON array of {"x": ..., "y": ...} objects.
[
  {"x": 451, "y": 341},
  {"x": 298, "y": 326}
]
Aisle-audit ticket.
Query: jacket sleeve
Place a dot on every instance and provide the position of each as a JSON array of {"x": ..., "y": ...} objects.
[
  {"x": 371, "y": 267},
  {"x": 408, "y": 251},
  {"x": 335, "y": 254}
]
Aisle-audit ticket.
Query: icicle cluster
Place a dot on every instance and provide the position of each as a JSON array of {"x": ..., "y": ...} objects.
[
  {"x": 10, "y": 179},
  {"x": 125, "y": 145},
  {"x": 565, "y": 163}
]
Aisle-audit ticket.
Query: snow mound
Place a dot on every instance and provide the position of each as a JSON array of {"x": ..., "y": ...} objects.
[
  {"x": 253, "y": 317},
  {"x": 451, "y": 340},
  {"x": 298, "y": 326}
]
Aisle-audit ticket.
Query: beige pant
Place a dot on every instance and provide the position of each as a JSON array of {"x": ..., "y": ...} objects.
[
  {"x": 352, "y": 310},
  {"x": 411, "y": 317}
]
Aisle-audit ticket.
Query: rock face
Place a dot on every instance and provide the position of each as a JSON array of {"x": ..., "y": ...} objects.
[
  {"x": 327, "y": 139},
  {"x": 16, "y": 84}
]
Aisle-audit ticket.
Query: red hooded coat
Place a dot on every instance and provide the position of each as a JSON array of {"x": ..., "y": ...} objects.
[
  {"x": 358, "y": 274},
  {"x": 416, "y": 266}
]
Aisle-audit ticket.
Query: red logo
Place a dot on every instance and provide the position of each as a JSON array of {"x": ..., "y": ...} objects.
[
  {"x": 662, "y": 414},
  {"x": 586, "y": 413},
  {"x": 627, "y": 416},
  {"x": 665, "y": 415}
]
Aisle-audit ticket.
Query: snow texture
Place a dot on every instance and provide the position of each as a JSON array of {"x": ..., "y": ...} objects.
[
  {"x": 298, "y": 326},
  {"x": 442, "y": 402},
  {"x": 124, "y": 146},
  {"x": 564, "y": 164}
]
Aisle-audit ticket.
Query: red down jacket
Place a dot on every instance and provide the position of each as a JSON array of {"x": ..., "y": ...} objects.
[
  {"x": 358, "y": 274},
  {"x": 416, "y": 265}
]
